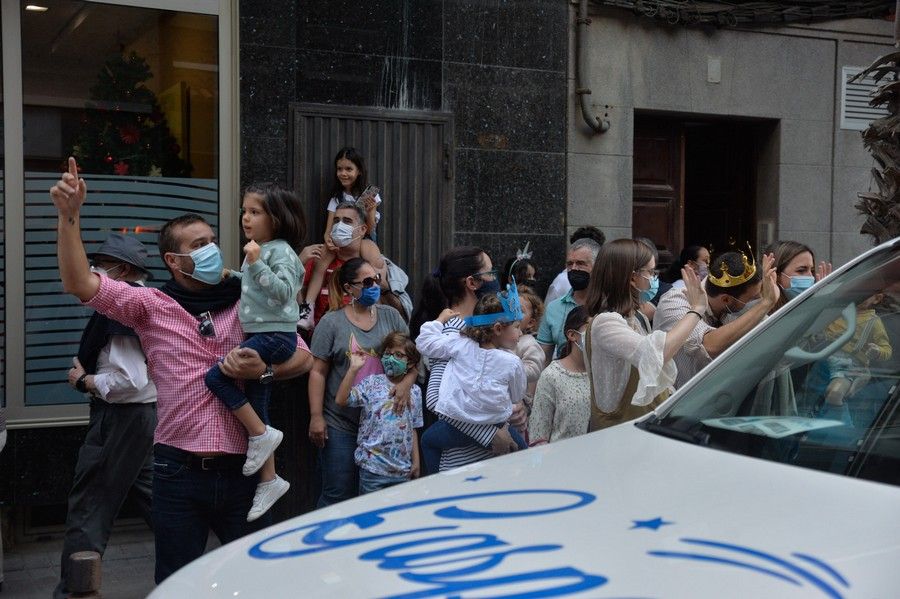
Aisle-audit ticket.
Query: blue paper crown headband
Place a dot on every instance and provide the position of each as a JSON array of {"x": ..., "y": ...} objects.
[{"x": 509, "y": 301}]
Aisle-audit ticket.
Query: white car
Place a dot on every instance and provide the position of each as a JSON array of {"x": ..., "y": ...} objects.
[{"x": 746, "y": 483}]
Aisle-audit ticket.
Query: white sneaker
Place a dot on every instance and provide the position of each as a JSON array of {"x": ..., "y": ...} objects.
[
  {"x": 259, "y": 448},
  {"x": 267, "y": 494},
  {"x": 307, "y": 321}
]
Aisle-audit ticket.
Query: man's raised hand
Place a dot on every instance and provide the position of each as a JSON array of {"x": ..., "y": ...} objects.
[{"x": 69, "y": 192}]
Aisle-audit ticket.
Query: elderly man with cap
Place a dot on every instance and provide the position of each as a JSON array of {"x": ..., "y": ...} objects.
[{"x": 117, "y": 455}]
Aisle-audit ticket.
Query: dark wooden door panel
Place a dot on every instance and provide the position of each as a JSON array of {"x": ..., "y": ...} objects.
[
  {"x": 720, "y": 181},
  {"x": 657, "y": 201}
]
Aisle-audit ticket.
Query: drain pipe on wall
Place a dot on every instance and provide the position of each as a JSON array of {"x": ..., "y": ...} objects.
[{"x": 582, "y": 22}]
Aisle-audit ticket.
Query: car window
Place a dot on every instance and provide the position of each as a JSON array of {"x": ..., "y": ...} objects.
[{"x": 818, "y": 388}]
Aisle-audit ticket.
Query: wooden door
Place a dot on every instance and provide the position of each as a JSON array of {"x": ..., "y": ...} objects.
[
  {"x": 658, "y": 187},
  {"x": 720, "y": 183}
]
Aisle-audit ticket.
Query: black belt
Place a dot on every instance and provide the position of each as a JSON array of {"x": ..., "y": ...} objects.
[
  {"x": 99, "y": 402},
  {"x": 229, "y": 461}
]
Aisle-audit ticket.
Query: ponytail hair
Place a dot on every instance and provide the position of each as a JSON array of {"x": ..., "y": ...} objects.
[
  {"x": 345, "y": 275},
  {"x": 446, "y": 286}
]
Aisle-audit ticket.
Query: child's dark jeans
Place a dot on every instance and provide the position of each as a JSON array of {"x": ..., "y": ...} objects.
[
  {"x": 441, "y": 436},
  {"x": 273, "y": 348}
]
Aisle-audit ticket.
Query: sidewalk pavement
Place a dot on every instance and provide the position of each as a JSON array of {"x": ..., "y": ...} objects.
[{"x": 31, "y": 570}]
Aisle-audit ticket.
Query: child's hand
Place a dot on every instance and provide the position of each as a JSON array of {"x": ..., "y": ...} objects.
[
  {"x": 226, "y": 273},
  {"x": 311, "y": 252},
  {"x": 251, "y": 249},
  {"x": 358, "y": 360},
  {"x": 873, "y": 352},
  {"x": 446, "y": 315},
  {"x": 369, "y": 203}
]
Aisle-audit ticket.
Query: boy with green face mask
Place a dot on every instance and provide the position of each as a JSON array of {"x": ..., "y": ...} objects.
[{"x": 387, "y": 453}]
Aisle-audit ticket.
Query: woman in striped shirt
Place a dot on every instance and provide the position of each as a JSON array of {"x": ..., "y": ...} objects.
[{"x": 464, "y": 275}]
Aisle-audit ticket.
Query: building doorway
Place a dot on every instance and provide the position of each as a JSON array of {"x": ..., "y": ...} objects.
[
  {"x": 409, "y": 156},
  {"x": 695, "y": 182}
]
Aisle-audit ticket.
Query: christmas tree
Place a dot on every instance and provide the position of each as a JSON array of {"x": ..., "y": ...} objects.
[{"x": 123, "y": 131}]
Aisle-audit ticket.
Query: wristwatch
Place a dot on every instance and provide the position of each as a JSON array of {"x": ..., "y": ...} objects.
[
  {"x": 80, "y": 384},
  {"x": 267, "y": 376}
]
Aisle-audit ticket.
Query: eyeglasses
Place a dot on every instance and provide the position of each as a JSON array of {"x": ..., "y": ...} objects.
[
  {"x": 653, "y": 272},
  {"x": 368, "y": 281},
  {"x": 205, "y": 327},
  {"x": 488, "y": 274},
  {"x": 397, "y": 354}
]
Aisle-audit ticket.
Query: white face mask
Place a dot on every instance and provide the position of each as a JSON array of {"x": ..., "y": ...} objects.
[
  {"x": 732, "y": 316},
  {"x": 106, "y": 273},
  {"x": 342, "y": 234},
  {"x": 580, "y": 344}
]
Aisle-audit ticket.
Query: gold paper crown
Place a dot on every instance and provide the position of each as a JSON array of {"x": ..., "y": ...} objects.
[{"x": 729, "y": 280}]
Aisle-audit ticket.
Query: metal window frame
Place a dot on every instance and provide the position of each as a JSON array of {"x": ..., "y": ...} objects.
[
  {"x": 18, "y": 414},
  {"x": 850, "y": 122}
]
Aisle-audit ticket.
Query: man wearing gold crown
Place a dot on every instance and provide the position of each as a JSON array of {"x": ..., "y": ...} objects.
[{"x": 733, "y": 285}]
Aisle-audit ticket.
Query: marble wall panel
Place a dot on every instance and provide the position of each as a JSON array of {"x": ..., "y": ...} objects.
[
  {"x": 510, "y": 192},
  {"x": 507, "y": 109},
  {"x": 528, "y": 34}
]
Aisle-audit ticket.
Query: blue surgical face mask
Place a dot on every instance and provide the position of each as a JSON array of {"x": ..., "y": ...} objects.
[
  {"x": 208, "y": 264},
  {"x": 649, "y": 294},
  {"x": 369, "y": 296},
  {"x": 801, "y": 283},
  {"x": 393, "y": 366}
]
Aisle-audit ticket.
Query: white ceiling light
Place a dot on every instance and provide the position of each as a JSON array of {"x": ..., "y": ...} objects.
[{"x": 36, "y": 8}]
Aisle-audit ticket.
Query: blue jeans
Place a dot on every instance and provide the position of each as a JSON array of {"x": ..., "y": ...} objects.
[
  {"x": 441, "y": 436},
  {"x": 340, "y": 476},
  {"x": 369, "y": 482},
  {"x": 273, "y": 348},
  {"x": 189, "y": 501}
]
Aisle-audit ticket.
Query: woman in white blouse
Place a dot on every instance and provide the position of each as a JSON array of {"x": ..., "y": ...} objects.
[{"x": 631, "y": 368}]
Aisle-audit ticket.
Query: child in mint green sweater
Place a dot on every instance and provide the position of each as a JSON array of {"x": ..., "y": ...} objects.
[{"x": 268, "y": 311}]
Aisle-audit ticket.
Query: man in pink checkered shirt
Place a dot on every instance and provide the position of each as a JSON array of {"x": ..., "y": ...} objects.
[{"x": 184, "y": 328}]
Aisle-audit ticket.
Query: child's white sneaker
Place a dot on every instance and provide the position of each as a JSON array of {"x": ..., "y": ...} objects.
[
  {"x": 306, "y": 321},
  {"x": 259, "y": 448},
  {"x": 267, "y": 494}
]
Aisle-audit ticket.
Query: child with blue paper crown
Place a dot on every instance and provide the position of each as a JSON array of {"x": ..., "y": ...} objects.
[{"x": 483, "y": 378}]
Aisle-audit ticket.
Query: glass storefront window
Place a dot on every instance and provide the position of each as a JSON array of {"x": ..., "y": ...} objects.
[{"x": 133, "y": 94}]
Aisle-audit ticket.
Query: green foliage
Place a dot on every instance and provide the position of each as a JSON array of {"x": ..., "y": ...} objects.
[
  {"x": 882, "y": 138},
  {"x": 123, "y": 131}
]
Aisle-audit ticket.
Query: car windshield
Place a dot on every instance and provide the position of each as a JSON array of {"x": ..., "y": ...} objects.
[{"x": 818, "y": 388}]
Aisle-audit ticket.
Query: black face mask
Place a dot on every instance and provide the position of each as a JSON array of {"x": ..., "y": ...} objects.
[
  {"x": 579, "y": 279},
  {"x": 530, "y": 283},
  {"x": 487, "y": 287}
]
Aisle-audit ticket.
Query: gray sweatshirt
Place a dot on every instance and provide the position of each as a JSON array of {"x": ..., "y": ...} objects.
[{"x": 269, "y": 290}]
